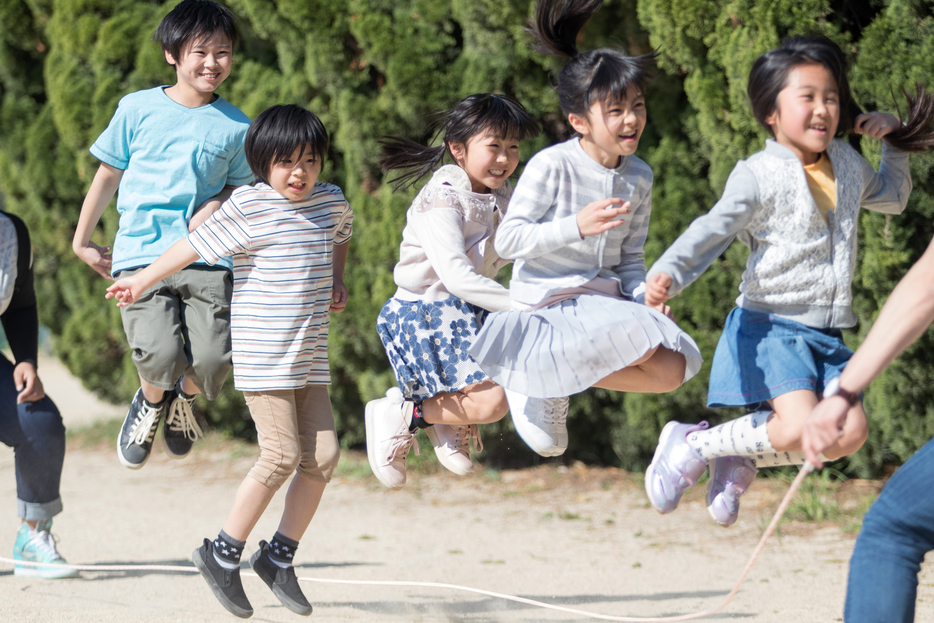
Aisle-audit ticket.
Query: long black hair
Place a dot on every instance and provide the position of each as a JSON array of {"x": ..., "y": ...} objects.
[
  {"x": 482, "y": 113},
  {"x": 598, "y": 75},
  {"x": 769, "y": 76}
]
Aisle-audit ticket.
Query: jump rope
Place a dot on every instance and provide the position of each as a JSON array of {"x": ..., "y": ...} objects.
[{"x": 804, "y": 471}]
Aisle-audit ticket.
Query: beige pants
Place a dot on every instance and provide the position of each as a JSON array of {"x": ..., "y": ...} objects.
[{"x": 295, "y": 428}]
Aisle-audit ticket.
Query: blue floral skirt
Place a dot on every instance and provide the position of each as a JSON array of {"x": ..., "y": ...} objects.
[{"x": 427, "y": 342}]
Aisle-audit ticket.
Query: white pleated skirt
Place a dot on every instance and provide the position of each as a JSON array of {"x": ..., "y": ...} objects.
[{"x": 566, "y": 348}]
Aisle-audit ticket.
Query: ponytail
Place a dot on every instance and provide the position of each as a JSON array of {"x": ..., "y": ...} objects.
[
  {"x": 482, "y": 113},
  {"x": 415, "y": 159},
  {"x": 605, "y": 74},
  {"x": 557, "y": 24},
  {"x": 915, "y": 135}
]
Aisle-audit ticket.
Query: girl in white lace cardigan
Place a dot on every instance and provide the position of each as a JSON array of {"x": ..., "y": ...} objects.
[
  {"x": 445, "y": 286},
  {"x": 796, "y": 206}
]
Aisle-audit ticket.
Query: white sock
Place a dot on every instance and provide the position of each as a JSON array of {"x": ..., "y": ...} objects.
[{"x": 744, "y": 436}]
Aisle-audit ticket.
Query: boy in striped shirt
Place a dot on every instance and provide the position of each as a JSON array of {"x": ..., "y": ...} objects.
[{"x": 288, "y": 235}]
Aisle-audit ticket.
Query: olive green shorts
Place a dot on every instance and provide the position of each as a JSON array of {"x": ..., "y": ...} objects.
[{"x": 180, "y": 326}]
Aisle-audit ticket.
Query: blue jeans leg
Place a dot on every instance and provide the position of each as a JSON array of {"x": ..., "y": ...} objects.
[
  {"x": 897, "y": 532},
  {"x": 37, "y": 435}
]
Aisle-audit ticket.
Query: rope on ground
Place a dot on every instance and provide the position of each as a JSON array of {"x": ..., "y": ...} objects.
[{"x": 805, "y": 469}]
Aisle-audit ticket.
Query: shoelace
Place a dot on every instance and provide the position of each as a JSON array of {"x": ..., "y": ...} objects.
[
  {"x": 462, "y": 437},
  {"x": 145, "y": 426},
  {"x": 43, "y": 542},
  {"x": 552, "y": 414},
  {"x": 401, "y": 443},
  {"x": 181, "y": 419}
]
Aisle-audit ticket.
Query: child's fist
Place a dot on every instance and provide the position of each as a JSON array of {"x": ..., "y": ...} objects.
[
  {"x": 656, "y": 289},
  {"x": 876, "y": 124}
]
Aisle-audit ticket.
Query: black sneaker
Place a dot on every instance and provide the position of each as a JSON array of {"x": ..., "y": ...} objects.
[
  {"x": 180, "y": 430},
  {"x": 283, "y": 582},
  {"x": 224, "y": 583},
  {"x": 139, "y": 428}
]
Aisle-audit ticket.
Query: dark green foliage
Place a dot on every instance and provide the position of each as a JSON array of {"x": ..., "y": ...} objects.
[{"x": 375, "y": 67}]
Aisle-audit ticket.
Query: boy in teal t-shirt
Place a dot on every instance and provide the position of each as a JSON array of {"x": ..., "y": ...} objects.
[{"x": 172, "y": 155}]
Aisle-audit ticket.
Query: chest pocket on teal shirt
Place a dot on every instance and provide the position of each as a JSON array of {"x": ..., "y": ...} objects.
[{"x": 212, "y": 169}]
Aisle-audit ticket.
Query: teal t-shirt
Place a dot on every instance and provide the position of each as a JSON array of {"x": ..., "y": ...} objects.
[{"x": 173, "y": 159}]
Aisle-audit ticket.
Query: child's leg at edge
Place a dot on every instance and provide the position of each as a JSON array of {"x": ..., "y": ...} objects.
[
  {"x": 792, "y": 409},
  {"x": 480, "y": 403},
  {"x": 659, "y": 371}
]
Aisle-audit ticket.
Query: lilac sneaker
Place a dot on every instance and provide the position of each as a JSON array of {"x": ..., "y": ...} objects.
[
  {"x": 675, "y": 466},
  {"x": 730, "y": 477}
]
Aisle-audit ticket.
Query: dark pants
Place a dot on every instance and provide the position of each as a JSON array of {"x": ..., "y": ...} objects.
[
  {"x": 37, "y": 435},
  {"x": 897, "y": 532}
]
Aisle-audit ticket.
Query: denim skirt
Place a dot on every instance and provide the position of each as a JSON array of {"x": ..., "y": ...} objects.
[
  {"x": 426, "y": 343},
  {"x": 761, "y": 356}
]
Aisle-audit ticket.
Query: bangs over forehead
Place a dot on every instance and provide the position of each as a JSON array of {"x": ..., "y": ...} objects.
[
  {"x": 612, "y": 77},
  {"x": 277, "y": 132},
  {"x": 193, "y": 22},
  {"x": 501, "y": 116}
]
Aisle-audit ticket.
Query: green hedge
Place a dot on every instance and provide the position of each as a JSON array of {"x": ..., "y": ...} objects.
[{"x": 374, "y": 67}]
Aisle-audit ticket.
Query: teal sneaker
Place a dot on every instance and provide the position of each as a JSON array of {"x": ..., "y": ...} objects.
[{"x": 39, "y": 546}]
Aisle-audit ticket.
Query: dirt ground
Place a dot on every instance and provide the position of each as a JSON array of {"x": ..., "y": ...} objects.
[{"x": 578, "y": 537}]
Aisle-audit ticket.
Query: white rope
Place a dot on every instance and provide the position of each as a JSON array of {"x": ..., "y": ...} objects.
[{"x": 805, "y": 469}]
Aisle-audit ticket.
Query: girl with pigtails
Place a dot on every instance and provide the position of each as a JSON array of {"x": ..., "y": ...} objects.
[
  {"x": 445, "y": 286},
  {"x": 576, "y": 226},
  {"x": 795, "y": 204}
]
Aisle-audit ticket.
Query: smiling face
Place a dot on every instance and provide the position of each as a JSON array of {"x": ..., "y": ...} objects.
[
  {"x": 611, "y": 130},
  {"x": 807, "y": 112},
  {"x": 201, "y": 67},
  {"x": 488, "y": 160},
  {"x": 294, "y": 176}
]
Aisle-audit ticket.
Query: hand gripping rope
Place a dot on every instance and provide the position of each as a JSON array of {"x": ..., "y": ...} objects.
[{"x": 805, "y": 470}]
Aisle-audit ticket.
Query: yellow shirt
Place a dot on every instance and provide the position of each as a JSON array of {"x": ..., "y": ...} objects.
[{"x": 822, "y": 183}]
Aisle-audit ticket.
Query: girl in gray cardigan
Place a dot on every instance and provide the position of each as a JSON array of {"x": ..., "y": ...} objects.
[
  {"x": 576, "y": 226},
  {"x": 795, "y": 205}
]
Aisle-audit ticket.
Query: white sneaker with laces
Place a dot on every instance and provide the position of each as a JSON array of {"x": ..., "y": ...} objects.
[
  {"x": 541, "y": 422},
  {"x": 452, "y": 446},
  {"x": 388, "y": 438}
]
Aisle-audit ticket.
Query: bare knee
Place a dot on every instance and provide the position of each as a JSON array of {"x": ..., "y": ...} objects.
[
  {"x": 666, "y": 368},
  {"x": 489, "y": 405}
]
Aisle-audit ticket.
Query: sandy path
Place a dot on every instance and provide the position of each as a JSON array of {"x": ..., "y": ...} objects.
[{"x": 580, "y": 537}]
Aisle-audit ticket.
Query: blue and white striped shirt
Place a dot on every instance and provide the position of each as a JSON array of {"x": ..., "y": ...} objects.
[{"x": 283, "y": 278}]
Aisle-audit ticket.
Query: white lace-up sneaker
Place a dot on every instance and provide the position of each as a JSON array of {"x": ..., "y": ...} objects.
[
  {"x": 541, "y": 422},
  {"x": 180, "y": 430},
  {"x": 452, "y": 446},
  {"x": 388, "y": 438}
]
